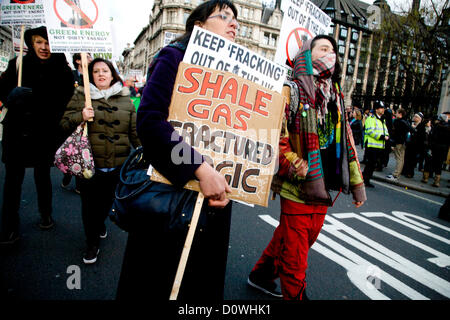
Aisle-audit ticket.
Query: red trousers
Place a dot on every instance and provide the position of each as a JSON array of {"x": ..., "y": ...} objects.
[{"x": 287, "y": 253}]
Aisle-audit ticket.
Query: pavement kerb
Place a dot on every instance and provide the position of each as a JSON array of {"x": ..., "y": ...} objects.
[{"x": 410, "y": 186}]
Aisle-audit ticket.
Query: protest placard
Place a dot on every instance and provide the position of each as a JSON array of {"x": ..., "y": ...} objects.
[
  {"x": 169, "y": 36},
  {"x": 78, "y": 26},
  {"x": 136, "y": 74},
  {"x": 210, "y": 50},
  {"x": 16, "y": 36},
  {"x": 302, "y": 20},
  {"x": 234, "y": 123},
  {"x": 4, "y": 59},
  {"x": 21, "y": 12}
]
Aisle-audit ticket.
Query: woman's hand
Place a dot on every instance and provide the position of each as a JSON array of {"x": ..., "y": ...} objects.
[
  {"x": 213, "y": 185},
  {"x": 88, "y": 113}
]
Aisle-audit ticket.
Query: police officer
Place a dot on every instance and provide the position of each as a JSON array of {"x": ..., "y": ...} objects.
[{"x": 376, "y": 134}]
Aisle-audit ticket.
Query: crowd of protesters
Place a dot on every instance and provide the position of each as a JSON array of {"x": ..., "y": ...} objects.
[
  {"x": 417, "y": 142},
  {"x": 35, "y": 126}
]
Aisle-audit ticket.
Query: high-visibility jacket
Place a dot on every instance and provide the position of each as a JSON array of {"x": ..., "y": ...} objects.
[{"x": 375, "y": 128}]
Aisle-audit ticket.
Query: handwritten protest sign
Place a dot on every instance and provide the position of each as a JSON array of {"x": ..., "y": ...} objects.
[
  {"x": 234, "y": 123},
  {"x": 21, "y": 12},
  {"x": 78, "y": 26},
  {"x": 302, "y": 20},
  {"x": 210, "y": 50}
]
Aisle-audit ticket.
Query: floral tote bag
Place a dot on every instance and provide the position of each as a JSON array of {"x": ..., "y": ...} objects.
[{"x": 75, "y": 154}]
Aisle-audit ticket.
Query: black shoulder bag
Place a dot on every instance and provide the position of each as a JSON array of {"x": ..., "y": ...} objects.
[{"x": 140, "y": 202}]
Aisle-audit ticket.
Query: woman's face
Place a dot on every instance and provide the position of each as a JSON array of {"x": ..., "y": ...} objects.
[
  {"x": 102, "y": 75},
  {"x": 41, "y": 47},
  {"x": 222, "y": 22},
  {"x": 322, "y": 47}
]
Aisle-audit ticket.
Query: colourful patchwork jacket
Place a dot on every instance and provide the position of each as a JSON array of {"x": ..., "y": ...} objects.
[{"x": 332, "y": 159}]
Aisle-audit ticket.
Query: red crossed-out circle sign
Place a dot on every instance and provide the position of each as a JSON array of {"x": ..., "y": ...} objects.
[
  {"x": 22, "y": 1},
  {"x": 88, "y": 18},
  {"x": 295, "y": 42}
]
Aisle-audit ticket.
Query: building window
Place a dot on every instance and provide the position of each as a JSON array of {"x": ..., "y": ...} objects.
[
  {"x": 244, "y": 31},
  {"x": 172, "y": 16},
  {"x": 273, "y": 40},
  {"x": 245, "y": 13},
  {"x": 266, "y": 38}
]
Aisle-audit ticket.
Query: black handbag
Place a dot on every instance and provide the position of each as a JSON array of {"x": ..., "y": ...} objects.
[{"x": 140, "y": 202}]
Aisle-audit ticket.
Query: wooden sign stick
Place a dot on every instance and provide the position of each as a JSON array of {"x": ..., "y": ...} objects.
[
  {"x": 87, "y": 90},
  {"x": 187, "y": 247},
  {"x": 20, "y": 58}
]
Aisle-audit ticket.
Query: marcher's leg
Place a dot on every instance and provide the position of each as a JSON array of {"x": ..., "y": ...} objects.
[
  {"x": 107, "y": 182},
  {"x": 90, "y": 195},
  {"x": 204, "y": 277},
  {"x": 294, "y": 254},
  {"x": 317, "y": 223},
  {"x": 437, "y": 180},
  {"x": 77, "y": 185},
  {"x": 43, "y": 184},
  {"x": 399, "y": 154},
  {"x": 12, "y": 189},
  {"x": 265, "y": 270},
  {"x": 370, "y": 165},
  {"x": 265, "y": 266},
  {"x": 66, "y": 180},
  {"x": 437, "y": 160}
]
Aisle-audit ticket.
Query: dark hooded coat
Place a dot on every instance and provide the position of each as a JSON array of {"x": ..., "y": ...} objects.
[{"x": 31, "y": 132}]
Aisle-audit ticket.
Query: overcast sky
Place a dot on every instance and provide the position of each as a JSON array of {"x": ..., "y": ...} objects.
[{"x": 130, "y": 16}]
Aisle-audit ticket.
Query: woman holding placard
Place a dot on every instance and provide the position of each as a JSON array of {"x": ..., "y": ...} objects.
[
  {"x": 110, "y": 133},
  {"x": 152, "y": 256},
  {"x": 31, "y": 132}
]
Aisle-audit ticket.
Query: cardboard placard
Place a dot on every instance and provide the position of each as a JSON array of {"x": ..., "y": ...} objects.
[{"x": 234, "y": 123}]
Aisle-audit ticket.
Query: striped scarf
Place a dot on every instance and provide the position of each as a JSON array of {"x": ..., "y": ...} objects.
[{"x": 310, "y": 124}]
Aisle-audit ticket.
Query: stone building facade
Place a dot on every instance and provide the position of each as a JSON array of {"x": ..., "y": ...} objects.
[
  {"x": 367, "y": 62},
  {"x": 6, "y": 47},
  {"x": 259, "y": 29}
]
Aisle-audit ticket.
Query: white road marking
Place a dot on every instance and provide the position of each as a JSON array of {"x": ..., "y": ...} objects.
[
  {"x": 406, "y": 192},
  {"x": 440, "y": 259},
  {"x": 358, "y": 268}
]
